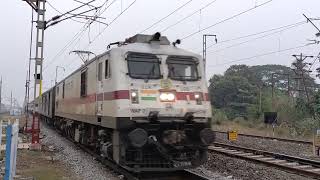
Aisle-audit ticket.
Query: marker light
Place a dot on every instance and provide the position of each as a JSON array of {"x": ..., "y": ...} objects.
[
  {"x": 167, "y": 96},
  {"x": 198, "y": 98},
  {"x": 134, "y": 97}
]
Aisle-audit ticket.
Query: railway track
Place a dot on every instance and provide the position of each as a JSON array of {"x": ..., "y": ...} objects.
[
  {"x": 296, "y": 165},
  {"x": 269, "y": 137},
  {"x": 176, "y": 175}
]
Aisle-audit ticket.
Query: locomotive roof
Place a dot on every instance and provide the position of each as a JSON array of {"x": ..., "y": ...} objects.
[
  {"x": 143, "y": 38},
  {"x": 144, "y": 44}
]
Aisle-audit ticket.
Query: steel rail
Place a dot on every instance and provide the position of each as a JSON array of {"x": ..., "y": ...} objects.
[
  {"x": 269, "y": 137},
  {"x": 297, "y": 165},
  {"x": 174, "y": 175}
]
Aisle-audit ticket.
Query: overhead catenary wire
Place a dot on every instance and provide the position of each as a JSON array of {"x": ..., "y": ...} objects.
[
  {"x": 81, "y": 32},
  {"x": 254, "y": 34},
  {"x": 165, "y": 17},
  {"x": 247, "y": 41},
  {"x": 69, "y": 17},
  {"x": 314, "y": 61},
  {"x": 83, "y": 3},
  {"x": 224, "y": 20},
  {"x": 188, "y": 16},
  {"x": 259, "y": 55},
  {"x": 78, "y": 35},
  {"x": 68, "y": 65},
  {"x": 112, "y": 21},
  {"x": 54, "y": 8},
  {"x": 68, "y": 12}
]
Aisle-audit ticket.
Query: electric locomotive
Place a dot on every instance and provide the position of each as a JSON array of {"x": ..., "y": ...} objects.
[{"x": 142, "y": 104}]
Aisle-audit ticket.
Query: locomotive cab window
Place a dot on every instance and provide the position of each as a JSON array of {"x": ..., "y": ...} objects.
[
  {"x": 183, "y": 68},
  {"x": 143, "y": 66},
  {"x": 83, "y": 84}
]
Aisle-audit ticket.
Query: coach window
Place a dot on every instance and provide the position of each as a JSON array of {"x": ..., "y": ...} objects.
[
  {"x": 83, "y": 86},
  {"x": 107, "y": 70},
  {"x": 100, "y": 71}
]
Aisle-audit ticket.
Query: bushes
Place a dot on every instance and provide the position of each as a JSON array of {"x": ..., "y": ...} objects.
[{"x": 218, "y": 116}]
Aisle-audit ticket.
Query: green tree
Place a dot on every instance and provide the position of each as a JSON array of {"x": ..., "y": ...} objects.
[{"x": 237, "y": 94}]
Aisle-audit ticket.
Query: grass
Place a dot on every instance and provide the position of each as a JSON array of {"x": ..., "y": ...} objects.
[{"x": 250, "y": 127}]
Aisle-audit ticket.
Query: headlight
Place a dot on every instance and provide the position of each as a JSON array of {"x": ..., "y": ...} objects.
[
  {"x": 167, "y": 96},
  {"x": 171, "y": 97},
  {"x": 163, "y": 96},
  {"x": 133, "y": 94}
]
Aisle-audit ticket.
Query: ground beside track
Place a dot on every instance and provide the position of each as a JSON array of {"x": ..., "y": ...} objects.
[
  {"x": 80, "y": 163},
  {"x": 37, "y": 165}
]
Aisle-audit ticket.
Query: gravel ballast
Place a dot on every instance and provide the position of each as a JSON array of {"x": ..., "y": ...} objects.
[
  {"x": 83, "y": 164},
  {"x": 202, "y": 170},
  {"x": 241, "y": 169},
  {"x": 277, "y": 146}
]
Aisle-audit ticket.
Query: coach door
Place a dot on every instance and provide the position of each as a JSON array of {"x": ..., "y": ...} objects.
[{"x": 100, "y": 78}]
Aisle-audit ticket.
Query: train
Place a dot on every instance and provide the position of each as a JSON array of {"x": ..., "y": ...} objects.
[{"x": 143, "y": 104}]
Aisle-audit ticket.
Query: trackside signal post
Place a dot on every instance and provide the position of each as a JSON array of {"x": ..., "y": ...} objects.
[{"x": 39, "y": 7}]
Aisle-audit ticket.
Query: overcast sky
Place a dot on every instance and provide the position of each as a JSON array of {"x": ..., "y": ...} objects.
[{"x": 16, "y": 17}]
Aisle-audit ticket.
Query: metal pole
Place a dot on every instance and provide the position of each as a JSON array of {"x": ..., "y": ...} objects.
[
  {"x": 41, "y": 25},
  {"x": 288, "y": 86},
  {"x": 260, "y": 99},
  {"x": 56, "y": 79},
  {"x": 204, "y": 51},
  {"x": 56, "y": 75},
  {"x": 39, "y": 48},
  {"x": 11, "y": 102},
  {"x": 272, "y": 99},
  {"x": 29, "y": 69}
]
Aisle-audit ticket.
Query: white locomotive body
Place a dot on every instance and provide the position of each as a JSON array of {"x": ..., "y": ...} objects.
[{"x": 143, "y": 105}]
